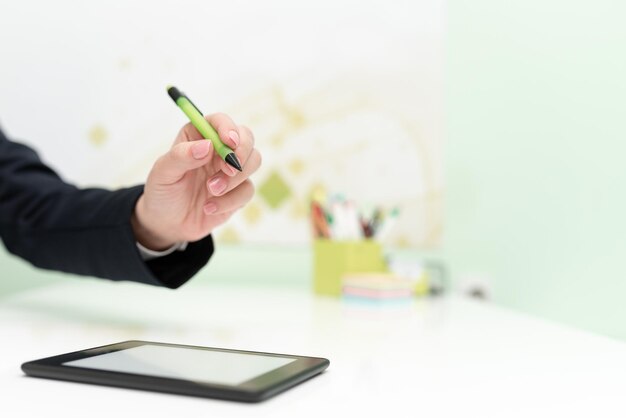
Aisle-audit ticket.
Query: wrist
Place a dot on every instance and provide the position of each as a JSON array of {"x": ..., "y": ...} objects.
[{"x": 145, "y": 234}]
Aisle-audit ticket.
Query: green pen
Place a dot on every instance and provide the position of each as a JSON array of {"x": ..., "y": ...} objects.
[{"x": 201, "y": 124}]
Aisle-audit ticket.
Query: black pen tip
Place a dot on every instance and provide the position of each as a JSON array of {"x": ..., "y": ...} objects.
[
  {"x": 232, "y": 160},
  {"x": 174, "y": 93}
]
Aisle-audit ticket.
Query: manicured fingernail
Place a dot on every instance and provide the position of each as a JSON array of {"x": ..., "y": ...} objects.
[
  {"x": 217, "y": 186},
  {"x": 234, "y": 136},
  {"x": 210, "y": 208},
  {"x": 201, "y": 149}
]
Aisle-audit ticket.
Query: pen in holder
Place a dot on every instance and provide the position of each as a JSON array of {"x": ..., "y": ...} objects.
[{"x": 333, "y": 259}]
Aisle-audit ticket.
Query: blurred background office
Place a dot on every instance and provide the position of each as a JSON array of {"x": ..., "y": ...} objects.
[{"x": 511, "y": 112}]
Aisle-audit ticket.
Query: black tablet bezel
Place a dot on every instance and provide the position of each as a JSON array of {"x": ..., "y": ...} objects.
[{"x": 253, "y": 390}]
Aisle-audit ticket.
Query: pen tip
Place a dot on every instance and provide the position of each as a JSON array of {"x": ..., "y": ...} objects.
[{"x": 231, "y": 159}]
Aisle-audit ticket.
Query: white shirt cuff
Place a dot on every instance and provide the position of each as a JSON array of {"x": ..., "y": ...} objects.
[{"x": 148, "y": 254}]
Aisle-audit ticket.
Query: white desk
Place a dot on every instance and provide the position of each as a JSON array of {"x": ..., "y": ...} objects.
[{"x": 429, "y": 359}]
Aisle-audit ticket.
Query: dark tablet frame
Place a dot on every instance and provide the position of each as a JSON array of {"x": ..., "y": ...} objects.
[{"x": 253, "y": 390}]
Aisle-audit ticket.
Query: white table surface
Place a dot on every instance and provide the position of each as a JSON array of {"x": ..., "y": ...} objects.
[{"x": 432, "y": 358}]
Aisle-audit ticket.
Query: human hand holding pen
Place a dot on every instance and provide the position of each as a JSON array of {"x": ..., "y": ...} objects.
[{"x": 191, "y": 190}]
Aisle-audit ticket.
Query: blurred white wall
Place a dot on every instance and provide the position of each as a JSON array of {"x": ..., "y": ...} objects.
[{"x": 345, "y": 95}]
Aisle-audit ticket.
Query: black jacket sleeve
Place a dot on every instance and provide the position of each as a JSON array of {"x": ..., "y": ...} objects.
[{"x": 57, "y": 226}]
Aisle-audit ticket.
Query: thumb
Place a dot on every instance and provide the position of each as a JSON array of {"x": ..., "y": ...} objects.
[{"x": 182, "y": 157}]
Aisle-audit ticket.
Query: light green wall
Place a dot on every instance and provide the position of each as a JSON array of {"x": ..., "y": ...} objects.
[
  {"x": 254, "y": 265},
  {"x": 250, "y": 264},
  {"x": 536, "y": 155},
  {"x": 17, "y": 275}
]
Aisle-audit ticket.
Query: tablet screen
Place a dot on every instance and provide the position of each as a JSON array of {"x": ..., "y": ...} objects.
[{"x": 217, "y": 367}]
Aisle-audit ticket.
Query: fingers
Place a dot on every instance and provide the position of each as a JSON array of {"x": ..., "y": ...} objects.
[
  {"x": 223, "y": 125},
  {"x": 242, "y": 143},
  {"x": 182, "y": 157},
  {"x": 246, "y": 145},
  {"x": 226, "y": 129},
  {"x": 238, "y": 138},
  {"x": 221, "y": 184},
  {"x": 231, "y": 201}
]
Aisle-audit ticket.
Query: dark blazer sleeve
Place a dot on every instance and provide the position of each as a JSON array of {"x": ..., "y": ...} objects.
[{"x": 57, "y": 226}]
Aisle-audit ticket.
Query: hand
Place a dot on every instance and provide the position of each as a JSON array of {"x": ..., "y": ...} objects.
[{"x": 191, "y": 190}]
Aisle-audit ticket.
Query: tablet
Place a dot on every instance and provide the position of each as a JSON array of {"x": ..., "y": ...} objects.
[{"x": 189, "y": 370}]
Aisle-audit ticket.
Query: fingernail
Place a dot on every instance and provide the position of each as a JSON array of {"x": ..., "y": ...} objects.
[
  {"x": 210, "y": 208},
  {"x": 234, "y": 136},
  {"x": 201, "y": 149},
  {"x": 217, "y": 186}
]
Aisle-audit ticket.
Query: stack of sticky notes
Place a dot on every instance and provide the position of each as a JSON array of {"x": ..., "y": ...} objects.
[{"x": 377, "y": 287}]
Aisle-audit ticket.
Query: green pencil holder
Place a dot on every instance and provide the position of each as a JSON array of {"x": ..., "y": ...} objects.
[{"x": 333, "y": 259}]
